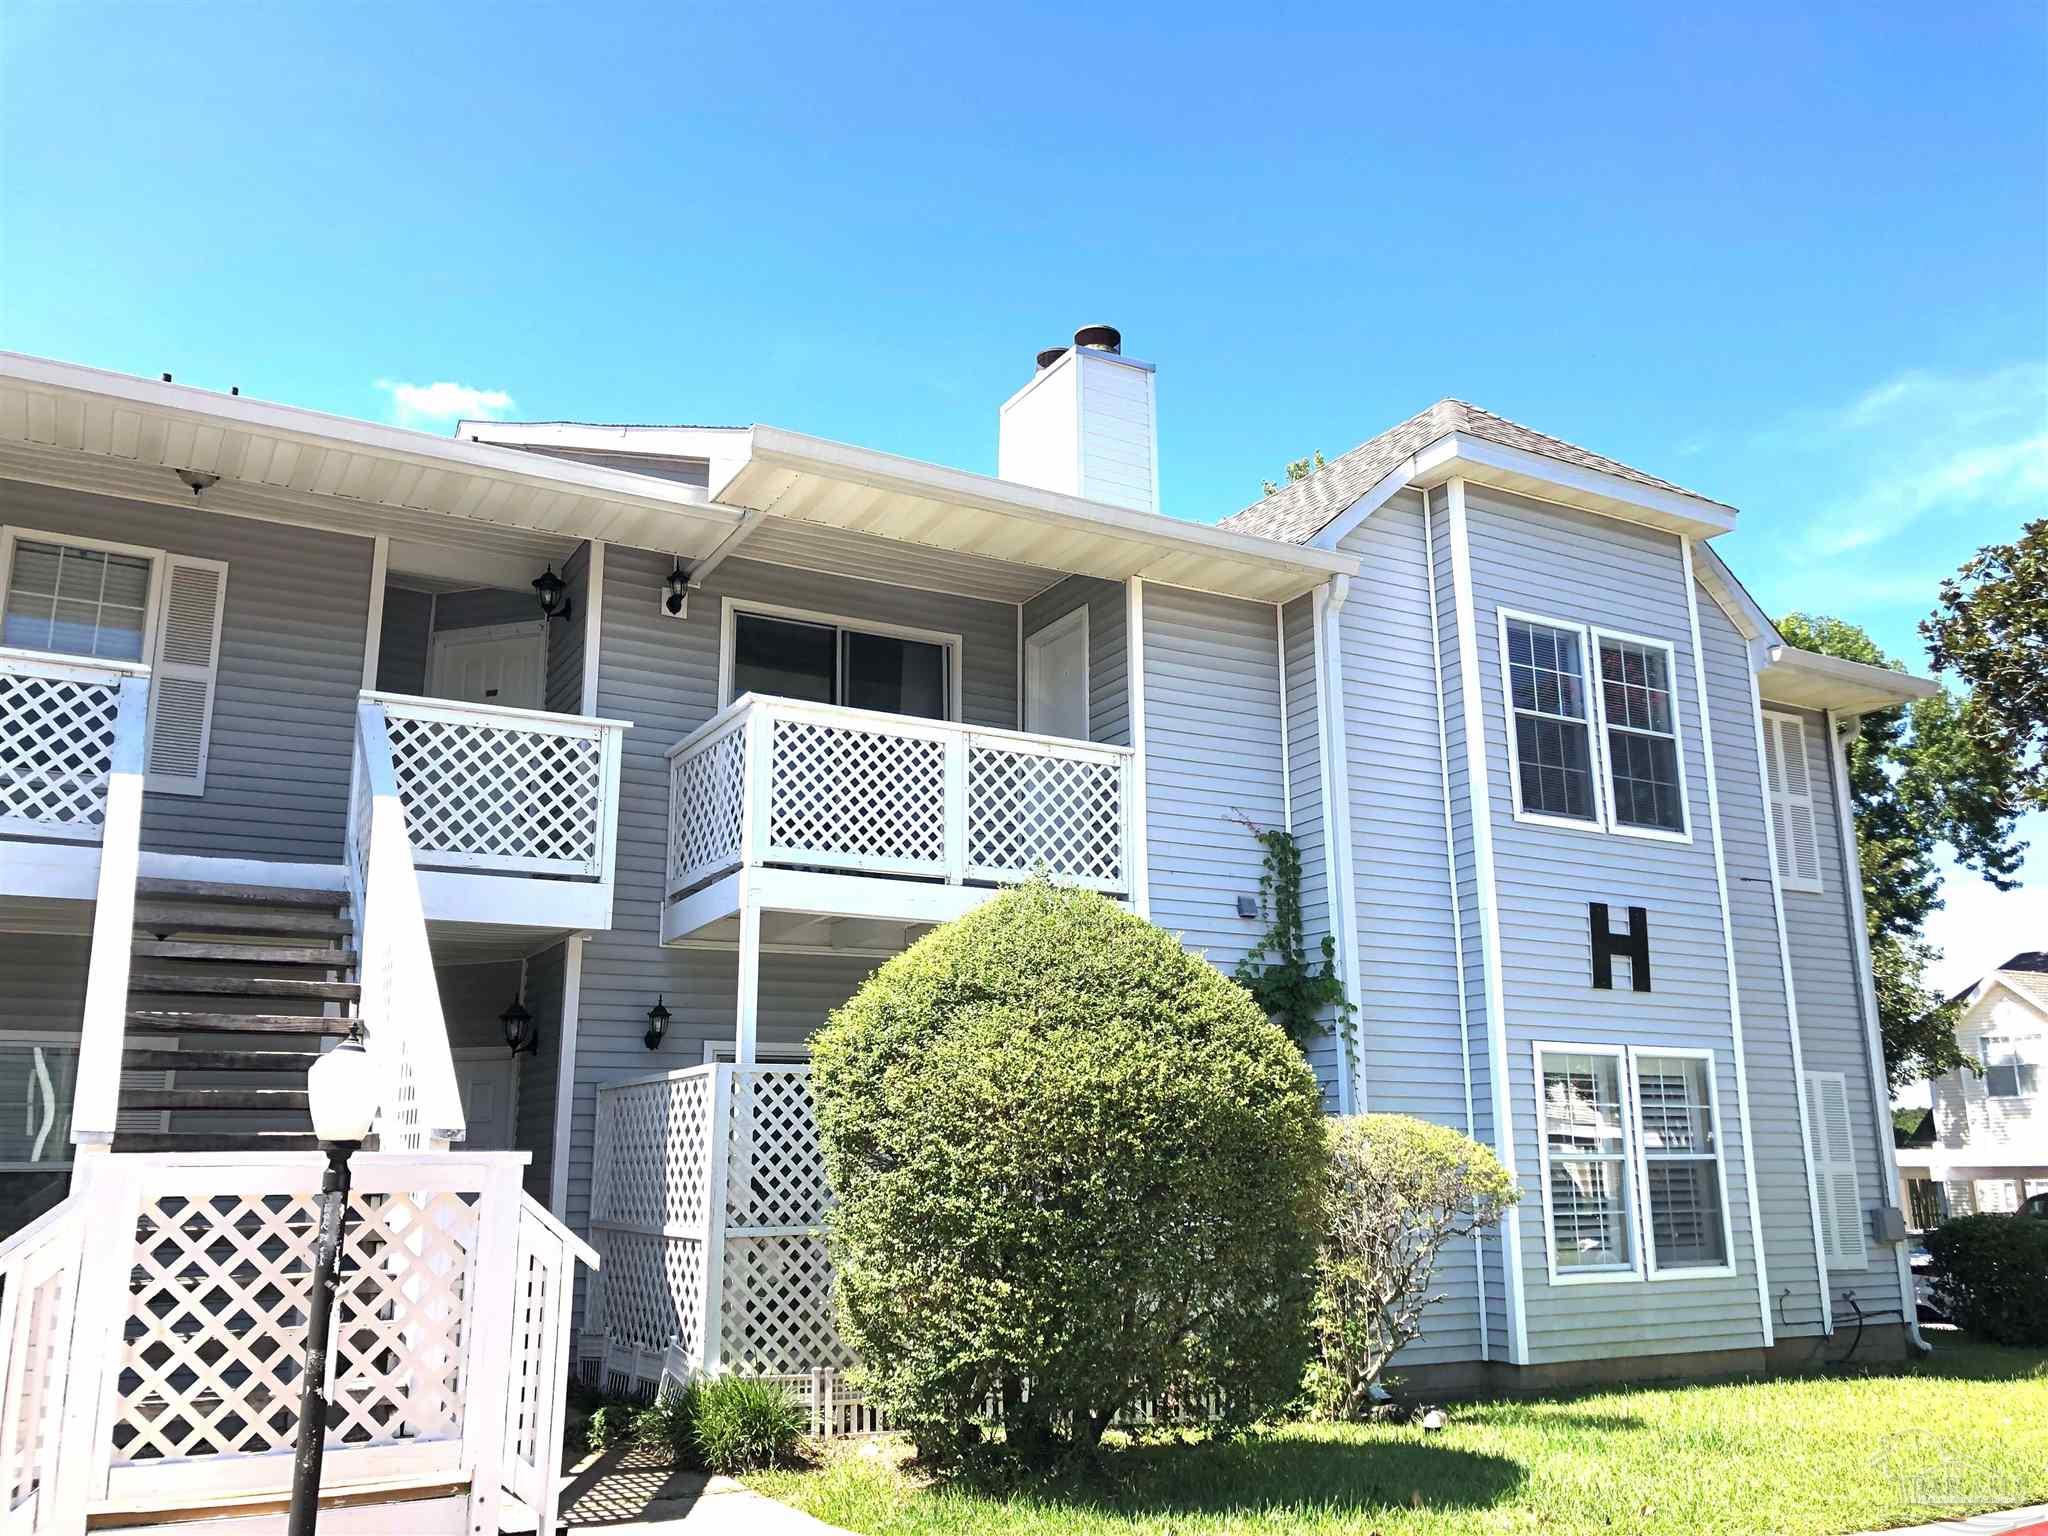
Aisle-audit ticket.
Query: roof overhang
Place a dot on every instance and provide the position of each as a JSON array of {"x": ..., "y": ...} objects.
[
  {"x": 1809, "y": 680},
  {"x": 113, "y": 433},
  {"x": 812, "y": 480},
  {"x": 1459, "y": 455}
]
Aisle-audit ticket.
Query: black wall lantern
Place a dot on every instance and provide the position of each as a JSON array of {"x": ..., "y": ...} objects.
[
  {"x": 676, "y": 592},
  {"x": 551, "y": 587},
  {"x": 657, "y": 1023},
  {"x": 520, "y": 1035}
]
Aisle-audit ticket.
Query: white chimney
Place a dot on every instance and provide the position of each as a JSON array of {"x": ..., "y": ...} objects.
[{"x": 1086, "y": 424}]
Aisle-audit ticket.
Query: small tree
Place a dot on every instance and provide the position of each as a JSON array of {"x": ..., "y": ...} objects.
[
  {"x": 1398, "y": 1190},
  {"x": 1075, "y": 1167}
]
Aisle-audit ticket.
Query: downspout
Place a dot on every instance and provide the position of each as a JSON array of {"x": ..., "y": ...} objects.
[
  {"x": 1880, "y": 1087},
  {"x": 1329, "y": 603}
]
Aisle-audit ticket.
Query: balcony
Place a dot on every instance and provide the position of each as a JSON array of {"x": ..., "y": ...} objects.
[{"x": 850, "y": 812}]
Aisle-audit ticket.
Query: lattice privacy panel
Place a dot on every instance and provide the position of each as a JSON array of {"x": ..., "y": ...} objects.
[
  {"x": 775, "y": 1316},
  {"x": 217, "y": 1316},
  {"x": 857, "y": 798},
  {"x": 497, "y": 797},
  {"x": 776, "y": 1173},
  {"x": 653, "y": 1289},
  {"x": 650, "y": 1205},
  {"x": 1030, "y": 810},
  {"x": 56, "y": 748},
  {"x": 707, "y": 803}
]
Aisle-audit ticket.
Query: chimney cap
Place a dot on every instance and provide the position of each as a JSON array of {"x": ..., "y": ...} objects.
[
  {"x": 1050, "y": 356},
  {"x": 1100, "y": 338}
]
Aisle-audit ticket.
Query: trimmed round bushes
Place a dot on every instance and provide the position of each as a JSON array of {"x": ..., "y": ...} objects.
[
  {"x": 1076, "y": 1169},
  {"x": 1991, "y": 1276}
]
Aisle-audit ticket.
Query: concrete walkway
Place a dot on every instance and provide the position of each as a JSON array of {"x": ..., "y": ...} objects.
[
  {"x": 2031, "y": 1521},
  {"x": 635, "y": 1491}
]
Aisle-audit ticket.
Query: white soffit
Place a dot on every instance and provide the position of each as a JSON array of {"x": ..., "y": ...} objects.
[
  {"x": 93, "y": 430},
  {"x": 1809, "y": 680},
  {"x": 836, "y": 552},
  {"x": 811, "y": 480}
]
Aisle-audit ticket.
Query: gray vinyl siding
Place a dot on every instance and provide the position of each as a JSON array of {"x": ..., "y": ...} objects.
[
  {"x": 662, "y": 674},
  {"x": 533, "y": 1106},
  {"x": 1305, "y": 786},
  {"x": 564, "y": 679},
  {"x": 1212, "y": 761},
  {"x": 404, "y": 638},
  {"x": 291, "y": 666},
  {"x": 1407, "y": 957},
  {"x": 486, "y": 607},
  {"x": 472, "y": 997},
  {"x": 1538, "y": 557},
  {"x": 1785, "y": 1212},
  {"x": 1109, "y": 701},
  {"x": 1832, "y": 1030}
]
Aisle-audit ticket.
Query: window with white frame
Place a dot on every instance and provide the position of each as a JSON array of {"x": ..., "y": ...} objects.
[
  {"x": 2010, "y": 1065},
  {"x": 1552, "y": 732},
  {"x": 1684, "y": 1192},
  {"x": 1586, "y": 1174},
  {"x": 37, "y": 1081},
  {"x": 1645, "y": 786},
  {"x": 828, "y": 661},
  {"x": 76, "y": 600}
]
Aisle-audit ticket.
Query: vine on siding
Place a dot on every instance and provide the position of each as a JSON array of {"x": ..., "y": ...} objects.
[{"x": 1277, "y": 970}]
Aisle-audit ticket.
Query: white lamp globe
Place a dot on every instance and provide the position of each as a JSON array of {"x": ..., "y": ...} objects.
[{"x": 342, "y": 1092}]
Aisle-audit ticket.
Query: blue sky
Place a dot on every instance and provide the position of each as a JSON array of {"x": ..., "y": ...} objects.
[{"x": 1798, "y": 262}]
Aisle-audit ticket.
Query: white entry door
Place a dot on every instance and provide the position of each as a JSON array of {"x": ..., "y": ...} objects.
[
  {"x": 1056, "y": 677},
  {"x": 499, "y": 665},
  {"x": 484, "y": 1079}
]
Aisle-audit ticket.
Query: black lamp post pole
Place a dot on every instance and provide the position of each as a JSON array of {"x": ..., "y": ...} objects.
[{"x": 305, "y": 1513}]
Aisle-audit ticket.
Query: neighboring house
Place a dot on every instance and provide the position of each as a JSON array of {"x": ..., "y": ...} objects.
[
  {"x": 1569, "y": 806},
  {"x": 1986, "y": 1143}
]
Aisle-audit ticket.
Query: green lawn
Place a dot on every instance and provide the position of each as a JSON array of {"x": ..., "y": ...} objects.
[{"x": 1964, "y": 1432}]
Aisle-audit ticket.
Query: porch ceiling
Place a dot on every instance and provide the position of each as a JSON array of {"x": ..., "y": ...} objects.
[
  {"x": 92, "y": 430},
  {"x": 810, "y": 480}
]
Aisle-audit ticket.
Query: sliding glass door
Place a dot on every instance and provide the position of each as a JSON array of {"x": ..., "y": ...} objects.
[{"x": 829, "y": 663}]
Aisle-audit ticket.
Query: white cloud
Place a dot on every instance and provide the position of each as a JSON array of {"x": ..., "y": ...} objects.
[{"x": 438, "y": 404}]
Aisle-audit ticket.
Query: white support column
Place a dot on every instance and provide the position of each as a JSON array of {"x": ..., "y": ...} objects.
[
  {"x": 593, "y": 624},
  {"x": 749, "y": 982},
  {"x": 711, "y": 1346},
  {"x": 487, "y": 1338},
  {"x": 953, "y": 823},
  {"x": 96, "y": 1098},
  {"x": 1756, "y": 1216},
  {"x": 373, "y": 638},
  {"x": 1880, "y": 1084},
  {"x": 1134, "y": 682},
  {"x": 565, "y": 1076}
]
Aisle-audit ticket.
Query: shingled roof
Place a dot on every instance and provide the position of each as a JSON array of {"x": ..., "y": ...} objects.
[{"x": 1296, "y": 513}]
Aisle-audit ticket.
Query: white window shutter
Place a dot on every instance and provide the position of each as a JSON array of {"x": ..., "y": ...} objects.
[
  {"x": 1834, "y": 1168},
  {"x": 1795, "y": 823},
  {"x": 182, "y": 673}
]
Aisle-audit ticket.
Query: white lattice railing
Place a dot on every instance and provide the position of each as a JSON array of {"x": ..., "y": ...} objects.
[
  {"x": 400, "y": 1007},
  {"x": 169, "y": 1347},
  {"x": 511, "y": 791},
  {"x": 775, "y": 781},
  {"x": 58, "y": 720},
  {"x": 708, "y": 1203}
]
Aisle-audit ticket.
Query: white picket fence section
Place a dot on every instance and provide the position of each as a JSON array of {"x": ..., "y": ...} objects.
[
  {"x": 815, "y": 786},
  {"x": 154, "y": 1327},
  {"x": 708, "y": 1203},
  {"x": 508, "y": 791}
]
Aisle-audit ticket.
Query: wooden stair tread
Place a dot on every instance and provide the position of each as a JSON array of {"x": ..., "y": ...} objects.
[
  {"x": 175, "y": 917},
  {"x": 144, "y": 1059},
  {"x": 216, "y": 1141},
  {"x": 228, "y": 893},
  {"x": 214, "y": 1098},
  {"x": 244, "y": 954},
  {"x": 180, "y": 1022},
  {"x": 244, "y": 986}
]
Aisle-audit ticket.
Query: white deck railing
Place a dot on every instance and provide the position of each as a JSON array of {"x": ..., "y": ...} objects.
[
  {"x": 400, "y": 1006},
  {"x": 156, "y": 1366},
  {"x": 708, "y": 1203},
  {"x": 507, "y": 791},
  {"x": 58, "y": 721},
  {"x": 775, "y": 781}
]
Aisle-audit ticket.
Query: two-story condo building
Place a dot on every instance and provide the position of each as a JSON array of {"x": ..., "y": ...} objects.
[
  {"x": 1986, "y": 1147},
  {"x": 586, "y": 769}
]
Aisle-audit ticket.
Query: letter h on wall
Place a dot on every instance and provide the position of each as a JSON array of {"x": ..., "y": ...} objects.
[{"x": 1634, "y": 944}]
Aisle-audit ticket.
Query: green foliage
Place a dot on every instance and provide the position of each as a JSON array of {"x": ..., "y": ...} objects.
[
  {"x": 1069, "y": 1154},
  {"x": 1919, "y": 777},
  {"x": 1293, "y": 992},
  {"x": 1992, "y": 631},
  {"x": 609, "y": 1424},
  {"x": 1991, "y": 1276},
  {"x": 670, "y": 1420},
  {"x": 739, "y": 1424},
  {"x": 1297, "y": 469},
  {"x": 1398, "y": 1189}
]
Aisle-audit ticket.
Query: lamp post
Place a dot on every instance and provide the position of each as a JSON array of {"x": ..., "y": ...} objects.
[{"x": 341, "y": 1091}]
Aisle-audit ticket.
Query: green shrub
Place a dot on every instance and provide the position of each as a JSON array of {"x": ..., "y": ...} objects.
[
  {"x": 1075, "y": 1166},
  {"x": 608, "y": 1425},
  {"x": 671, "y": 1419},
  {"x": 744, "y": 1425},
  {"x": 1398, "y": 1189},
  {"x": 1990, "y": 1275}
]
